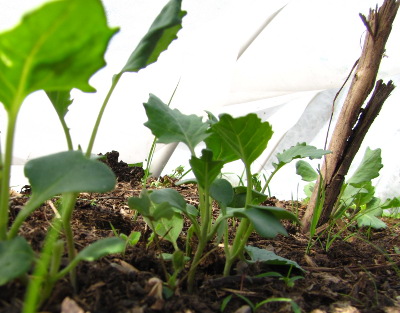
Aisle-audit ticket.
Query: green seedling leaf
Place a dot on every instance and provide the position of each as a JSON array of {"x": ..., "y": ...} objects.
[
  {"x": 221, "y": 190},
  {"x": 101, "y": 248},
  {"x": 308, "y": 189},
  {"x": 242, "y": 138},
  {"x": 142, "y": 204},
  {"x": 370, "y": 220},
  {"x": 391, "y": 203},
  {"x": 161, "y": 210},
  {"x": 299, "y": 151},
  {"x": 161, "y": 33},
  {"x": 264, "y": 222},
  {"x": 279, "y": 213},
  {"x": 368, "y": 169},
  {"x": 305, "y": 170},
  {"x": 173, "y": 197},
  {"x": 134, "y": 238},
  {"x": 61, "y": 100},
  {"x": 205, "y": 169},
  {"x": 16, "y": 258},
  {"x": 268, "y": 257},
  {"x": 44, "y": 52},
  {"x": 68, "y": 171},
  {"x": 239, "y": 199},
  {"x": 172, "y": 126},
  {"x": 170, "y": 228}
]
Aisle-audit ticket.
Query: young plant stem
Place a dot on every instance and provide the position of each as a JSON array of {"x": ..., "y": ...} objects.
[
  {"x": 68, "y": 205},
  {"x": 5, "y": 175},
  {"x": 205, "y": 213},
  {"x": 244, "y": 230},
  {"x": 66, "y": 133},
  {"x": 115, "y": 81},
  {"x": 269, "y": 180},
  {"x": 33, "y": 296}
]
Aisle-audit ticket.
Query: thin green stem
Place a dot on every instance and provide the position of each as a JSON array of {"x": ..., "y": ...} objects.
[
  {"x": 34, "y": 291},
  {"x": 115, "y": 81},
  {"x": 66, "y": 133},
  {"x": 68, "y": 205},
  {"x": 269, "y": 180},
  {"x": 5, "y": 175},
  {"x": 244, "y": 230},
  {"x": 205, "y": 214}
]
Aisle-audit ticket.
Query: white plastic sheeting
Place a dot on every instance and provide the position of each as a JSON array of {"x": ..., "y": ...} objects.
[{"x": 284, "y": 60}]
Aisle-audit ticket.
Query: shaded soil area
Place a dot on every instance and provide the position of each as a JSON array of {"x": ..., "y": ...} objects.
[{"x": 360, "y": 274}]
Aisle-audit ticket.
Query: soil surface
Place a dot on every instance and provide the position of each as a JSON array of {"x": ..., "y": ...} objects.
[{"x": 360, "y": 274}]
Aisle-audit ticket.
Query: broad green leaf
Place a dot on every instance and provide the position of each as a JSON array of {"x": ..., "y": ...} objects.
[
  {"x": 239, "y": 198},
  {"x": 101, "y": 248},
  {"x": 221, "y": 190},
  {"x": 264, "y": 222},
  {"x": 61, "y": 100},
  {"x": 68, "y": 171},
  {"x": 258, "y": 255},
  {"x": 246, "y": 136},
  {"x": 299, "y": 151},
  {"x": 306, "y": 171},
  {"x": 221, "y": 151},
  {"x": 170, "y": 228},
  {"x": 366, "y": 194},
  {"x": 161, "y": 210},
  {"x": 368, "y": 169},
  {"x": 172, "y": 126},
  {"x": 369, "y": 220},
  {"x": 279, "y": 213},
  {"x": 173, "y": 197},
  {"x": 16, "y": 257},
  {"x": 391, "y": 203},
  {"x": 141, "y": 204},
  {"x": 161, "y": 33},
  {"x": 205, "y": 169},
  {"x": 58, "y": 46}
]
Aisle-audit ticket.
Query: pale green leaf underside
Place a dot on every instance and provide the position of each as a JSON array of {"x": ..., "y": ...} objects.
[
  {"x": 299, "y": 151},
  {"x": 161, "y": 33},
  {"x": 172, "y": 126},
  {"x": 368, "y": 169},
  {"x": 58, "y": 46}
]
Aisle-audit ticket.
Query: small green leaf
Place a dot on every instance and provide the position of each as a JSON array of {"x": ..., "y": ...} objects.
[
  {"x": 172, "y": 126},
  {"x": 239, "y": 199},
  {"x": 305, "y": 170},
  {"x": 391, "y": 203},
  {"x": 368, "y": 169},
  {"x": 279, "y": 213},
  {"x": 205, "y": 169},
  {"x": 369, "y": 220},
  {"x": 170, "y": 228},
  {"x": 246, "y": 136},
  {"x": 173, "y": 197},
  {"x": 221, "y": 190},
  {"x": 101, "y": 248},
  {"x": 161, "y": 33},
  {"x": 68, "y": 171},
  {"x": 58, "y": 46},
  {"x": 299, "y": 151},
  {"x": 264, "y": 222},
  {"x": 268, "y": 257},
  {"x": 141, "y": 204},
  {"x": 134, "y": 238},
  {"x": 16, "y": 257},
  {"x": 61, "y": 100}
]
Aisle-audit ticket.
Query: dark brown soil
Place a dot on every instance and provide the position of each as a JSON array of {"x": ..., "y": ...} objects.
[{"x": 358, "y": 275}]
